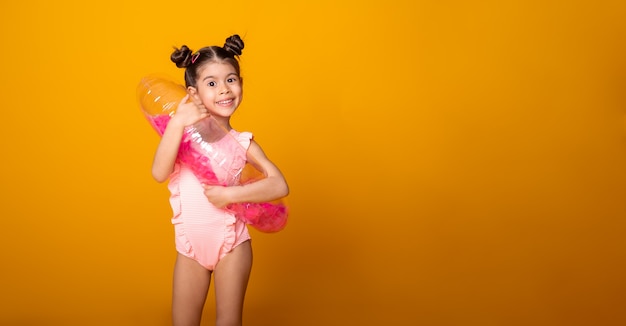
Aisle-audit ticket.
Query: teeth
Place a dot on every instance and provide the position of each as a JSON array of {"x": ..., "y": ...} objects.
[{"x": 224, "y": 102}]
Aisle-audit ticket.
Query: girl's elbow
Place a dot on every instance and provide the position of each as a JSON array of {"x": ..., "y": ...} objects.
[
  {"x": 159, "y": 177},
  {"x": 284, "y": 190}
]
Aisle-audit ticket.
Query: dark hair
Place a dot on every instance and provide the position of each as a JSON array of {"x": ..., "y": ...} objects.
[{"x": 191, "y": 61}]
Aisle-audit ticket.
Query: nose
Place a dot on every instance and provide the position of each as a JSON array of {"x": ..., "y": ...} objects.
[{"x": 225, "y": 89}]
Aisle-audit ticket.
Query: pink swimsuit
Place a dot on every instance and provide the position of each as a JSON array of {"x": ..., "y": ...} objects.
[{"x": 203, "y": 232}]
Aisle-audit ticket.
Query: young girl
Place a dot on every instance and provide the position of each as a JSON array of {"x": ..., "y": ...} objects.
[{"x": 209, "y": 239}]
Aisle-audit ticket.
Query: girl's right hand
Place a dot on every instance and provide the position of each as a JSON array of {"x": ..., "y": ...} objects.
[{"x": 189, "y": 113}]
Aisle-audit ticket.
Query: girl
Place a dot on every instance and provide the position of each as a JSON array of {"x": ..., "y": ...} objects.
[{"x": 209, "y": 240}]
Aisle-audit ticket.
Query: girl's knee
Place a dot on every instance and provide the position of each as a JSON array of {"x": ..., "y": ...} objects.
[{"x": 228, "y": 321}]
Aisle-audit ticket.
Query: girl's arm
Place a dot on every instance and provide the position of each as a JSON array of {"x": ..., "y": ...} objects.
[
  {"x": 165, "y": 156},
  {"x": 273, "y": 186}
]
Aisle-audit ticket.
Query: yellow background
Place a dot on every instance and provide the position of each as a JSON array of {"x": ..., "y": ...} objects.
[{"x": 450, "y": 163}]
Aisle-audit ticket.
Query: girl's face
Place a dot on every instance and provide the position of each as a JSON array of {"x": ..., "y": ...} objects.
[{"x": 218, "y": 89}]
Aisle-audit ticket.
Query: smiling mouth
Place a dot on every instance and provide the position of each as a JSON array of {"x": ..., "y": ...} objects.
[{"x": 225, "y": 102}]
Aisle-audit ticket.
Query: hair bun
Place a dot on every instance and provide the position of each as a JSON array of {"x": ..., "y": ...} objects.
[
  {"x": 181, "y": 57},
  {"x": 234, "y": 44}
]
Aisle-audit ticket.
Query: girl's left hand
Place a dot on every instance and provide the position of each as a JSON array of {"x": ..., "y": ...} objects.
[{"x": 217, "y": 195}]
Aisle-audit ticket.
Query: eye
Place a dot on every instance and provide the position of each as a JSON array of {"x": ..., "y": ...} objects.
[
  {"x": 232, "y": 80},
  {"x": 211, "y": 84}
]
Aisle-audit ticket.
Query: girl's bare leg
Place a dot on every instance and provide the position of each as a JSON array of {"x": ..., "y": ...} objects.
[
  {"x": 231, "y": 280},
  {"x": 191, "y": 285}
]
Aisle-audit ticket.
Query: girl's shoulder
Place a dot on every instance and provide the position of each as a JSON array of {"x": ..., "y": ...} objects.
[{"x": 243, "y": 137}]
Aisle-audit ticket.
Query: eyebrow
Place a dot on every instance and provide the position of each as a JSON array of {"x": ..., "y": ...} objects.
[{"x": 208, "y": 77}]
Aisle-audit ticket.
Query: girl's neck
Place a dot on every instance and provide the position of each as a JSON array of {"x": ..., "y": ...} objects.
[{"x": 223, "y": 122}]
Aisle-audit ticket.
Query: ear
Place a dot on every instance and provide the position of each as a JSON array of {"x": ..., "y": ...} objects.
[{"x": 193, "y": 94}]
